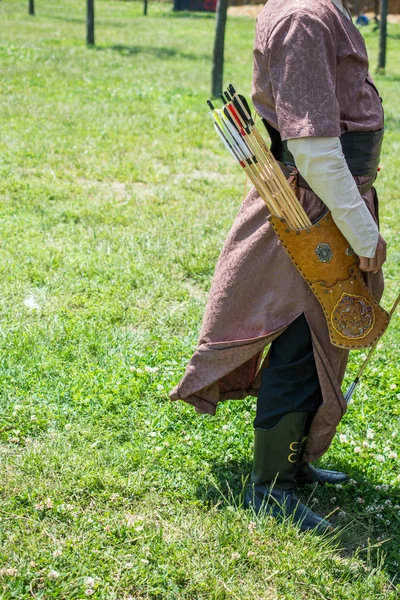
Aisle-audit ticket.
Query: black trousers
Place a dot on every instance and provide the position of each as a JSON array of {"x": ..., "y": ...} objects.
[{"x": 290, "y": 383}]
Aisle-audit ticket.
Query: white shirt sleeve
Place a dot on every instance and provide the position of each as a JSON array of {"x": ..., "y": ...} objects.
[{"x": 322, "y": 164}]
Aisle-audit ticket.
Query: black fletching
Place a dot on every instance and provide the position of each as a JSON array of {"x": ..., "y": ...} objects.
[
  {"x": 227, "y": 113},
  {"x": 247, "y": 107},
  {"x": 241, "y": 112}
]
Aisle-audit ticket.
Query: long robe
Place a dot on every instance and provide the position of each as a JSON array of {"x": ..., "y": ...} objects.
[{"x": 310, "y": 78}]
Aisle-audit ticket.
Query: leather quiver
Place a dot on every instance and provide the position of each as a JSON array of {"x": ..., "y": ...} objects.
[{"x": 324, "y": 258}]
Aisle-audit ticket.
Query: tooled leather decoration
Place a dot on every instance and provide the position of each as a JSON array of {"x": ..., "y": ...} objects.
[{"x": 322, "y": 256}]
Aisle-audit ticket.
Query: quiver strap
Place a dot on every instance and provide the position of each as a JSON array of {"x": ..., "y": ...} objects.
[{"x": 324, "y": 258}]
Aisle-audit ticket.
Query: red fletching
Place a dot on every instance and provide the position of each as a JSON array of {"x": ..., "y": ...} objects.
[{"x": 235, "y": 116}]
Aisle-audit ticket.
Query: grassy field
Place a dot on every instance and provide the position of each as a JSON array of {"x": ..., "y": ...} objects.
[{"x": 115, "y": 201}]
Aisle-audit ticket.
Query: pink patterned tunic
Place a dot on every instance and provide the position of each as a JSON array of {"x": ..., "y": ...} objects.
[{"x": 310, "y": 78}]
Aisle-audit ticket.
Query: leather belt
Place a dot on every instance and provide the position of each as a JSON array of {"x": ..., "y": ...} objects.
[
  {"x": 361, "y": 149},
  {"x": 290, "y": 171}
]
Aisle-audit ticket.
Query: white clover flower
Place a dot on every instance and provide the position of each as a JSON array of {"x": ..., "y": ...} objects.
[
  {"x": 373, "y": 445},
  {"x": 153, "y": 434},
  {"x": 395, "y": 433},
  {"x": 343, "y": 438},
  {"x": 57, "y": 552},
  {"x": 151, "y": 369},
  {"x": 145, "y": 561},
  {"x": 338, "y": 486},
  {"x": 251, "y": 553},
  {"x": 89, "y": 581},
  {"x": 360, "y": 500},
  {"x": 393, "y": 386},
  {"x": 54, "y": 575},
  {"x": 370, "y": 434},
  {"x": 380, "y": 458},
  {"x": 67, "y": 426},
  {"x": 33, "y": 418},
  {"x": 352, "y": 482},
  {"x": 10, "y": 571},
  {"x": 365, "y": 444},
  {"x": 49, "y": 503},
  {"x": 333, "y": 499},
  {"x": 89, "y": 592},
  {"x": 357, "y": 449},
  {"x": 392, "y": 454},
  {"x": 235, "y": 555}
]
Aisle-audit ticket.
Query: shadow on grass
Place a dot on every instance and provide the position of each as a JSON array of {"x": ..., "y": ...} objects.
[
  {"x": 161, "y": 52},
  {"x": 387, "y": 78},
  {"x": 189, "y": 15},
  {"x": 360, "y": 531},
  {"x": 103, "y": 22},
  {"x": 226, "y": 485},
  {"x": 392, "y": 123}
]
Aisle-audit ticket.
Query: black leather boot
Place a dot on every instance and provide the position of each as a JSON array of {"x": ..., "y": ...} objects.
[
  {"x": 306, "y": 473},
  {"x": 273, "y": 480}
]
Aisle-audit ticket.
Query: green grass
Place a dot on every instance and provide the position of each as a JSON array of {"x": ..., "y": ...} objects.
[{"x": 116, "y": 199}]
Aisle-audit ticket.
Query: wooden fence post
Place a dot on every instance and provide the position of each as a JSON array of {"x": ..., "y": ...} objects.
[
  {"x": 218, "y": 55},
  {"x": 383, "y": 37},
  {"x": 90, "y": 22}
]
